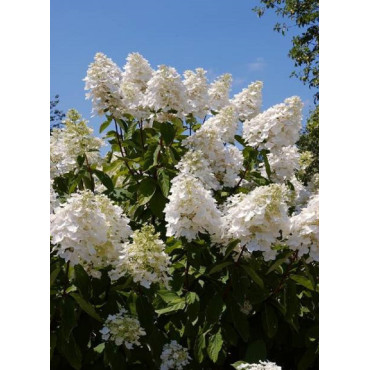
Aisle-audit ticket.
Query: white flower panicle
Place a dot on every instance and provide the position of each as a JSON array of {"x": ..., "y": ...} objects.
[
  {"x": 89, "y": 230},
  {"x": 230, "y": 168},
  {"x": 194, "y": 163},
  {"x": 166, "y": 91},
  {"x": 219, "y": 92},
  {"x": 248, "y": 102},
  {"x": 54, "y": 201},
  {"x": 283, "y": 163},
  {"x": 197, "y": 91},
  {"x": 225, "y": 123},
  {"x": 103, "y": 81},
  {"x": 73, "y": 140},
  {"x": 191, "y": 209},
  {"x": 137, "y": 70},
  {"x": 174, "y": 356},
  {"x": 263, "y": 365},
  {"x": 304, "y": 229},
  {"x": 144, "y": 259},
  {"x": 276, "y": 127},
  {"x": 257, "y": 218},
  {"x": 122, "y": 328}
]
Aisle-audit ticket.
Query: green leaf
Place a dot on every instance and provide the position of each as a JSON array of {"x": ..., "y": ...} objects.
[
  {"x": 220, "y": 267},
  {"x": 253, "y": 275},
  {"x": 214, "y": 345},
  {"x": 99, "y": 348},
  {"x": 173, "y": 308},
  {"x": 104, "y": 125},
  {"x": 291, "y": 300},
  {"x": 157, "y": 204},
  {"x": 214, "y": 309},
  {"x": 277, "y": 263},
  {"x": 269, "y": 321},
  {"x": 240, "y": 322},
  {"x": 146, "y": 190},
  {"x": 191, "y": 297},
  {"x": 199, "y": 347},
  {"x": 105, "y": 179},
  {"x": 54, "y": 275},
  {"x": 169, "y": 297},
  {"x": 266, "y": 161},
  {"x": 301, "y": 280},
  {"x": 68, "y": 317},
  {"x": 256, "y": 351},
  {"x": 82, "y": 281},
  {"x": 70, "y": 351},
  {"x": 230, "y": 247},
  {"x": 164, "y": 181},
  {"x": 168, "y": 132},
  {"x": 86, "y": 306}
]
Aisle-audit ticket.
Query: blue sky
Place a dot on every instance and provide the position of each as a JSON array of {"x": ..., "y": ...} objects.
[{"x": 218, "y": 35}]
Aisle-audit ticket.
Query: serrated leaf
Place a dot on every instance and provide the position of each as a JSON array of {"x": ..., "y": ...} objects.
[
  {"x": 214, "y": 345},
  {"x": 164, "y": 181},
  {"x": 86, "y": 306}
]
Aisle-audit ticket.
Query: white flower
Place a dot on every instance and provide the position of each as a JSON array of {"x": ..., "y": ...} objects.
[
  {"x": 283, "y": 163},
  {"x": 257, "y": 218},
  {"x": 103, "y": 80},
  {"x": 138, "y": 71},
  {"x": 89, "y": 230},
  {"x": 122, "y": 328},
  {"x": 248, "y": 102},
  {"x": 144, "y": 259},
  {"x": 276, "y": 127},
  {"x": 304, "y": 229},
  {"x": 225, "y": 123},
  {"x": 261, "y": 366},
  {"x": 54, "y": 201},
  {"x": 197, "y": 91},
  {"x": 191, "y": 209},
  {"x": 174, "y": 356},
  {"x": 166, "y": 91},
  {"x": 73, "y": 140},
  {"x": 195, "y": 163},
  {"x": 219, "y": 92}
]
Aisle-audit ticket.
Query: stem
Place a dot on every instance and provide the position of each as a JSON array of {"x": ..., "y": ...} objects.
[
  {"x": 67, "y": 279},
  {"x": 91, "y": 174},
  {"x": 141, "y": 133},
  {"x": 122, "y": 151}
]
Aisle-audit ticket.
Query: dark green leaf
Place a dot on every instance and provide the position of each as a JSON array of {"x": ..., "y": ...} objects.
[
  {"x": 68, "y": 317},
  {"x": 54, "y": 275},
  {"x": 256, "y": 351},
  {"x": 220, "y": 267},
  {"x": 82, "y": 281},
  {"x": 301, "y": 280},
  {"x": 86, "y": 306},
  {"x": 168, "y": 132},
  {"x": 214, "y": 345},
  {"x": 146, "y": 190},
  {"x": 104, "y": 125},
  {"x": 269, "y": 321},
  {"x": 105, "y": 179},
  {"x": 70, "y": 351},
  {"x": 253, "y": 275},
  {"x": 199, "y": 347},
  {"x": 164, "y": 181}
]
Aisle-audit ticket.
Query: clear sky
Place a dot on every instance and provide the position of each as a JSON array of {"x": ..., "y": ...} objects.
[{"x": 218, "y": 35}]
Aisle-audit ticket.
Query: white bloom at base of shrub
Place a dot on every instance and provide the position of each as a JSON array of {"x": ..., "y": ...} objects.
[
  {"x": 257, "y": 218},
  {"x": 191, "y": 209},
  {"x": 73, "y": 140},
  {"x": 122, "y": 329},
  {"x": 54, "y": 201},
  {"x": 283, "y": 163},
  {"x": 166, "y": 91},
  {"x": 263, "y": 365},
  {"x": 276, "y": 127},
  {"x": 144, "y": 259},
  {"x": 89, "y": 230},
  {"x": 174, "y": 356},
  {"x": 248, "y": 102},
  {"x": 194, "y": 163},
  {"x": 138, "y": 71},
  {"x": 225, "y": 123},
  {"x": 304, "y": 229},
  {"x": 103, "y": 80},
  {"x": 218, "y": 92},
  {"x": 197, "y": 91}
]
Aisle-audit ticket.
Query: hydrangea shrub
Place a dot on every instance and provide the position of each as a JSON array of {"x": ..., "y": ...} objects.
[{"x": 192, "y": 243}]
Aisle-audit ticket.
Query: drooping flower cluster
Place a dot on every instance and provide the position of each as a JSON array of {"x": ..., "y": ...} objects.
[
  {"x": 258, "y": 218},
  {"x": 68, "y": 143},
  {"x": 122, "y": 328},
  {"x": 304, "y": 229},
  {"x": 174, "y": 356},
  {"x": 263, "y": 365},
  {"x": 89, "y": 230},
  {"x": 144, "y": 259},
  {"x": 191, "y": 209}
]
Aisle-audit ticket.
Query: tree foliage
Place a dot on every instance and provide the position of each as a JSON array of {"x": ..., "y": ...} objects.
[
  {"x": 56, "y": 115},
  {"x": 303, "y": 14}
]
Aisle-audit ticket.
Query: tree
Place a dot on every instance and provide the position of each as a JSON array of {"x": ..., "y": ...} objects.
[
  {"x": 56, "y": 115},
  {"x": 181, "y": 249},
  {"x": 304, "y": 14}
]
